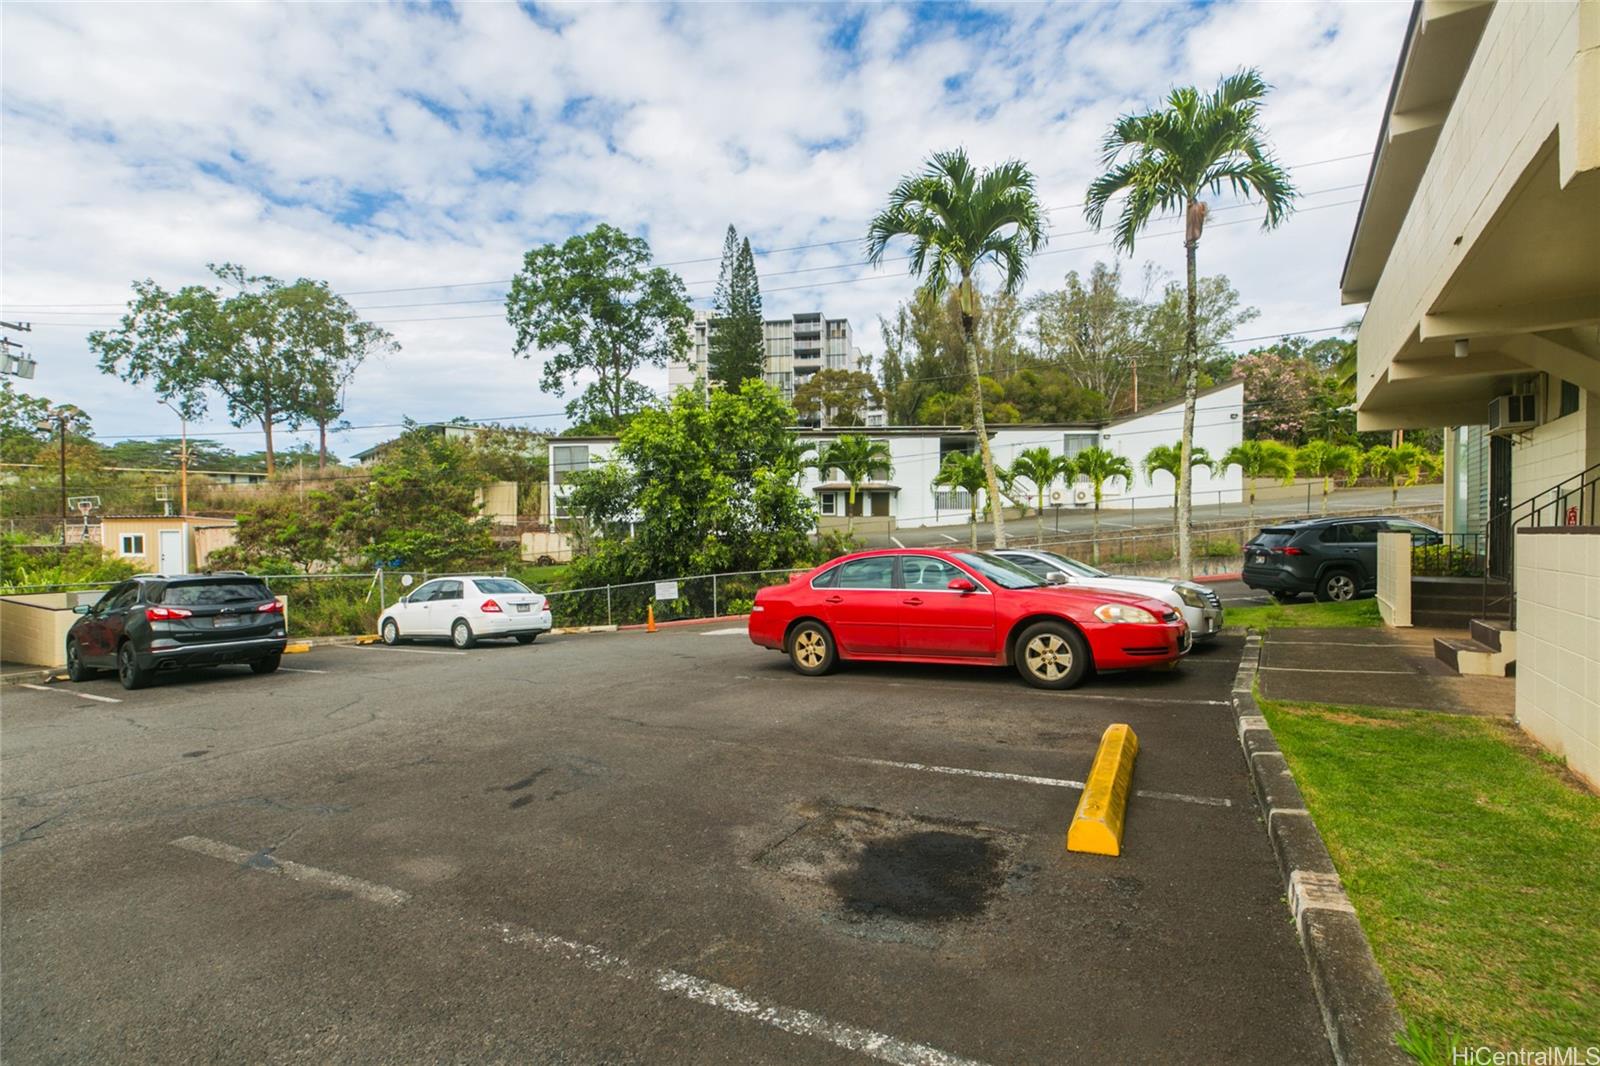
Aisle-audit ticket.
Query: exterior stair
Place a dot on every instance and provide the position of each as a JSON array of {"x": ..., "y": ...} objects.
[
  {"x": 1453, "y": 602},
  {"x": 1489, "y": 650}
]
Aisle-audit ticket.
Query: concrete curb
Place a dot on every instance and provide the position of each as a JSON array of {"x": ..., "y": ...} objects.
[
  {"x": 1357, "y": 1007},
  {"x": 1206, "y": 579},
  {"x": 564, "y": 630},
  {"x": 29, "y": 677},
  {"x": 686, "y": 622}
]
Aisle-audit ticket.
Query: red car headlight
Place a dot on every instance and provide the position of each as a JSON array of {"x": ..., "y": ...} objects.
[{"x": 1121, "y": 613}]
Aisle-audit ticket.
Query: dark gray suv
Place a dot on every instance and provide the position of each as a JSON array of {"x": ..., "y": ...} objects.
[{"x": 1331, "y": 558}]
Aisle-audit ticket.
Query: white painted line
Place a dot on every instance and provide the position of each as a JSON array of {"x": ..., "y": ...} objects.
[
  {"x": 730, "y": 631},
  {"x": 804, "y": 1023},
  {"x": 300, "y": 670},
  {"x": 69, "y": 692},
  {"x": 994, "y": 775},
  {"x": 897, "y": 542},
  {"x": 949, "y": 538},
  {"x": 1030, "y": 779},
  {"x": 1330, "y": 670},
  {"x": 367, "y": 890}
]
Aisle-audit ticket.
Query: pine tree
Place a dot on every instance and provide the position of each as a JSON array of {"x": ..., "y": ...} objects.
[{"x": 737, "y": 351}]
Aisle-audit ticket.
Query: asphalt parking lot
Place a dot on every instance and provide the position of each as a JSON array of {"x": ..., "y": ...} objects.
[{"x": 634, "y": 848}]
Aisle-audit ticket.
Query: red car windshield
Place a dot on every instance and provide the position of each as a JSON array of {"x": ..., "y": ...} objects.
[{"x": 1002, "y": 572}]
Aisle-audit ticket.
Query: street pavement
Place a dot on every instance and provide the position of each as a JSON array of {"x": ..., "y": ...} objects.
[{"x": 632, "y": 848}]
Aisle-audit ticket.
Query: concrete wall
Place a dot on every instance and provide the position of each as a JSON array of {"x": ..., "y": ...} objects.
[
  {"x": 1558, "y": 644},
  {"x": 208, "y": 539},
  {"x": 498, "y": 502},
  {"x": 1557, "y": 450},
  {"x": 33, "y": 629},
  {"x": 1394, "y": 578}
]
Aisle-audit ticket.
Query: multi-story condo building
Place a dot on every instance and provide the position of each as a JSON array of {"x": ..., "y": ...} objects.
[{"x": 796, "y": 348}]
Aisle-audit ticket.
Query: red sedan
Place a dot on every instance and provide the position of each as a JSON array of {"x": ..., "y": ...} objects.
[{"x": 934, "y": 606}]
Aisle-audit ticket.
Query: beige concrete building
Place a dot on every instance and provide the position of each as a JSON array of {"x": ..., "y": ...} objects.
[{"x": 1477, "y": 253}]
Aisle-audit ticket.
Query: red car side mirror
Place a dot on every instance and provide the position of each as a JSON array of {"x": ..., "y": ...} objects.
[{"x": 961, "y": 584}]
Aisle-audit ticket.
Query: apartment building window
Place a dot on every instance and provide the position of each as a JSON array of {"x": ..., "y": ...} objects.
[
  {"x": 828, "y": 502},
  {"x": 836, "y": 362},
  {"x": 1073, "y": 443},
  {"x": 133, "y": 544},
  {"x": 567, "y": 459},
  {"x": 1569, "y": 400}
]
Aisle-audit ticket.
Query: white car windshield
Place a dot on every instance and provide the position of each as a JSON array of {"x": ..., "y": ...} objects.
[
  {"x": 1003, "y": 572},
  {"x": 1073, "y": 566},
  {"x": 499, "y": 584}
]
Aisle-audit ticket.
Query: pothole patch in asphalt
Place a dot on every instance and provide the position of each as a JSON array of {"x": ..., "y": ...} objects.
[{"x": 884, "y": 875}]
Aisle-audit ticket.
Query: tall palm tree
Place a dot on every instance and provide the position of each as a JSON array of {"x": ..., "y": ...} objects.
[
  {"x": 1402, "y": 464},
  {"x": 1257, "y": 459},
  {"x": 958, "y": 218},
  {"x": 962, "y": 470},
  {"x": 856, "y": 459},
  {"x": 1320, "y": 459},
  {"x": 1169, "y": 457},
  {"x": 1100, "y": 466},
  {"x": 797, "y": 456},
  {"x": 1165, "y": 160},
  {"x": 1040, "y": 468}
]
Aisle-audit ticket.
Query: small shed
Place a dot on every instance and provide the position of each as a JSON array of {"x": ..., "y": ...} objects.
[{"x": 162, "y": 544}]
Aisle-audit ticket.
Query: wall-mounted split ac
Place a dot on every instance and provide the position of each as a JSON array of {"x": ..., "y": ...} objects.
[
  {"x": 1082, "y": 494},
  {"x": 1516, "y": 413}
]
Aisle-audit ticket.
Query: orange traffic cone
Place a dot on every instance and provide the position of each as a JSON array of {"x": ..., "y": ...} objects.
[{"x": 650, "y": 618}]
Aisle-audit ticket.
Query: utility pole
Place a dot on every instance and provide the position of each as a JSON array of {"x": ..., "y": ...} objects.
[
  {"x": 18, "y": 365},
  {"x": 183, "y": 457},
  {"x": 59, "y": 418}
]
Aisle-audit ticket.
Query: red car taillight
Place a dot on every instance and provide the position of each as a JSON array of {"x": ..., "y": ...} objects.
[
  {"x": 490, "y": 607},
  {"x": 270, "y": 608},
  {"x": 1288, "y": 551},
  {"x": 165, "y": 614},
  {"x": 544, "y": 605}
]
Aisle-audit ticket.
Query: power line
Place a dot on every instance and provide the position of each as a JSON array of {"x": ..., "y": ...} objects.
[{"x": 691, "y": 262}]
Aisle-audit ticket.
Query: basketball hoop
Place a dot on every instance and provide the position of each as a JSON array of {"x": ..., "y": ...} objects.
[{"x": 84, "y": 504}]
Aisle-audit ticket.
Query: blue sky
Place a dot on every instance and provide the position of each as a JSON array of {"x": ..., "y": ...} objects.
[{"x": 425, "y": 148}]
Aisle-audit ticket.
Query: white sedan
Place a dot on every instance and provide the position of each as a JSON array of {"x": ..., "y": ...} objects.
[
  {"x": 467, "y": 609},
  {"x": 1200, "y": 606}
]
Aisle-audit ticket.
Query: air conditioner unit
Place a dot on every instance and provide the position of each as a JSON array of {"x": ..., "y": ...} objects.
[
  {"x": 1082, "y": 494},
  {"x": 1513, "y": 414}
]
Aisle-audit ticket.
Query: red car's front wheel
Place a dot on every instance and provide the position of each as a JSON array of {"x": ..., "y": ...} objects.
[
  {"x": 811, "y": 649},
  {"x": 1052, "y": 655}
]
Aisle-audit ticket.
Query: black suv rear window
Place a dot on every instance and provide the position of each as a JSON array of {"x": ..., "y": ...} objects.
[
  {"x": 215, "y": 593},
  {"x": 1273, "y": 538}
]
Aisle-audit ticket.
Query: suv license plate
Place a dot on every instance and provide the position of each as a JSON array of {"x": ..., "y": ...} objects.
[{"x": 222, "y": 620}]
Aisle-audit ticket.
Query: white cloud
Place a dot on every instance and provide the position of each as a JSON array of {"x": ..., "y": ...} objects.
[{"x": 147, "y": 140}]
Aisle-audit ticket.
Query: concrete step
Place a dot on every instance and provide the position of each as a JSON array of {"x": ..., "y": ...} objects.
[
  {"x": 1445, "y": 618},
  {"x": 1469, "y": 657},
  {"x": 1497, "y": 633}
]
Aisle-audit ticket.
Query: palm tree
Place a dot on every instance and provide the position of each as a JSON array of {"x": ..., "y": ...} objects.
[
  {"x": 964, "y": 471},
  {"x": 1169, "y": 457},
  {"x": 1100, "y": 466},
  {"x": 1402, "y": 464},
  {"x": 958, "y": 218},
  {"x": 1257, "y": 459},
  {"x": 856, "y": 459},
  {"x": 1318, "y": 458},
  {"x": 1165, "y": 160},
  {"x": 796, "y": 456},
  {"x": 1040, "y": 467}
]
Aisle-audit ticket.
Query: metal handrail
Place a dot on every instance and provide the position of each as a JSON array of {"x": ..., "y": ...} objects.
[{"x": 1502, "y": 565}]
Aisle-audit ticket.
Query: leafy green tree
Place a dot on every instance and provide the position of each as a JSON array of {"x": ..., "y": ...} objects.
[
  {"x": 959, "y": 217},
  {"x": 420, "y": 507},
  {"x": 262, "y": 346},
  {"x": 736, "y": 348},
  {"x": 1164, "y": 161},
  {"x": 1257, "y": 459},
  {"x": 837, "y": 397},
  {"x": 857, "y": 459},
  {"x": 203, "y": 454},
  {"x": 1094, "y": 331},
  {"x": 1320, "y": 459},
  {"x": 284, "y": 532},
  {"x": 1400, "y": 464},
  {"x": 705, "y": 489},
  {"x": 964, "y": 472},
  {"x": 1169, "y": 458},
  {"x": 1040, "y": 468},
  {"x": 1051, "y": 394},
  {"x": 336, "y": 342},
  {"x": 1100, "y": 465},
  {"x": 22, "y": 432},
  {"x": 594, "y": 305}
]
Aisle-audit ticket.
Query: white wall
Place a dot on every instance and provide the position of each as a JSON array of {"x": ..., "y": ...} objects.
[
  {"x": 1557, "y": 450},
  {"x": 1558, "y": 645}
]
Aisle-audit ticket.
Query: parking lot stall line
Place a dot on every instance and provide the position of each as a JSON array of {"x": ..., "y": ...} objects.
[
  {"x": 294, "y": 871},
  {"x": 1030, "y": 779},
  {"x": 68, "y": 692}
]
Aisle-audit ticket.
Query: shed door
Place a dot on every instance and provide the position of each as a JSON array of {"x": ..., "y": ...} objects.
[{"x": 171, "y": 552}]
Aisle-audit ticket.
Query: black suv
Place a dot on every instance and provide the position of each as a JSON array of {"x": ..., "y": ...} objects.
[
  {"x": 155, "y": 622},
  {"x": 1332, "y": 558}
]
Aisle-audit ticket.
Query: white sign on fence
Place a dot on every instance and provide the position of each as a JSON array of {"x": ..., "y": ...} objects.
[{"x": 666, "y": 590}]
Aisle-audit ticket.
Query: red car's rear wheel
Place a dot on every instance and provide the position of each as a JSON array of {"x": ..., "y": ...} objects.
[
  {"x": 811, "y": 649},
  {"x": 1052, "y": 655}
]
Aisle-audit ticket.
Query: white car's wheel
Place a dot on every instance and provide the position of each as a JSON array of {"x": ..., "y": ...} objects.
[{"x": 390, "y": 631}]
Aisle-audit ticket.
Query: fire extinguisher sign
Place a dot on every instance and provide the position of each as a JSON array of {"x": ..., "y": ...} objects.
[{"x": 1572, "y": 516}]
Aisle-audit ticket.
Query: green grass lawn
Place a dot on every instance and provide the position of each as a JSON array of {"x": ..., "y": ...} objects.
[
  {"x": 1473, "y": 861},
  {"x": 544, "y": 578},
  {"x": 1279, "y": 616}
]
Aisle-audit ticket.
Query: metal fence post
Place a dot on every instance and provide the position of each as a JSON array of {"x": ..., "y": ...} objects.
[
  {"x": 713, "y": 595},
  {"x": 608, "y": 605},
  {"x": 382, "y": 604}
]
